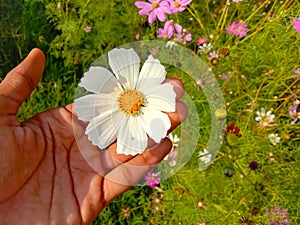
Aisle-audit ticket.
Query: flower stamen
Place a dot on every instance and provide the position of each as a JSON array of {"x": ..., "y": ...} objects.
[
  {"x": 130, "y": 101},
  {"x": 155, "y": 4},
  {"x": 176, "y": 4}
]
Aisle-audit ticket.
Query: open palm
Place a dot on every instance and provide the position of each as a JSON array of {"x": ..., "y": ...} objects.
[{"x": 45, "y": 178}]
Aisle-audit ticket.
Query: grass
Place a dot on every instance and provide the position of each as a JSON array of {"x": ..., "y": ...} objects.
[{"x": 259, "y": 71}]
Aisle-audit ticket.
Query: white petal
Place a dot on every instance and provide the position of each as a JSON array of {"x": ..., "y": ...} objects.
[
  {"x": 90, "y": 106},
  {"x": 155, "y": 123},
  {"x": 99, "y": 80},
  {"x": 205, "y": 152},
  {"x": 85, "y": 107},
  {"x": 176, "y": 139},
  {"x": 161, "y": 97},
  {"x": 205, "y": 156},
  {"x": 152, "y": 74},
  {"x": 132, "y": 139},
  {"x": 258, "y": 118},
  {"x": 101, "y": 130},
  {"x": 125, "y": 63}
]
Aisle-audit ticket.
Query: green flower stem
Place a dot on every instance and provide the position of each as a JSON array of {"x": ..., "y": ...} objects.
[
  {"x": 67, "y": 6},
  {"x": 197, "y": 19},
  {"x": 286, "y": 99},
  {"x": 262, "y": 22},
  {"x": 223, "y": 16},
  {"x": 259, "y": 26},
  {"x": 261, "y": 6},
  {"x": 240, "y": 169},
  {"x": 289, "y": 88},
  {"x": 83, "y": 15},
  {"x": 231, "y": 211},
  {"x": 153, "y": 28},
  {"x": 259, "y": 89}
]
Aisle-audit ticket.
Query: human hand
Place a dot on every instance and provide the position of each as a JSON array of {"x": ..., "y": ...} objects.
[{"x": 45, "y": 178}]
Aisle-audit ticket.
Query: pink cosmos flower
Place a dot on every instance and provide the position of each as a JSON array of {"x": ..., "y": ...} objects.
[
  {"x": 87, "y": 29},
  {"x": 162, "y": 33},
  {"x": 155, "y": 9},
  {"x": 232, "y": 28},
  {"x": 153, "y": 51},
  {"x": 277, "y": 216},
  {"x": 297, "y": 24},
  {"x": 152, "y": 179},
  {"x": 293, "y": 110},
  {"x": 171, "y": 157},
  {"x": 201, "y": 41},
  {"x": 224, "y": 76},
  {"x": 169, "y": 29},
  {"x": 178, "y": 5},
  {"x": 297, "y": 71},
  {"x": 172, "y": 28},
  {"x": 187, "y": 38},
  {"x": 213, "y": 55},
  {"x": 137, "y": 36},
  {"x": 241, "y": 30},
  {"x": 183, "y": 37}
]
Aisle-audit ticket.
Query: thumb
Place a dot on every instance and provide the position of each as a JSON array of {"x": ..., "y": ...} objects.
[{"x": 20, "y": 82}]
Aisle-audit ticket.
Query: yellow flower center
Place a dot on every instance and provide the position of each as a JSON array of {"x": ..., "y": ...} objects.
[
  {"x": 276, "y": 219},
  {"x": 273, "y": 139},
  {"x": 41, "y": 38},
  {"x": 264, "y": 117},
  {"x": 214, "y": 61},
  {"x": 176, "y": 4},
  {"x": 295, "y": 114},
  {"x": 155, "y": 4},
  {"x": 130, "y": 101}
]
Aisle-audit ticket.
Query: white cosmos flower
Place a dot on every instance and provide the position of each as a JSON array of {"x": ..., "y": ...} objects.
[
  {"x": 174, "y": 139},
  {"x": 127, "y": 105},
  {"x": 205, "y": 48},
  {"x": 274, "y": 139},
  {"x": 265, "y": 119},
  {"x": 171, "y": 157},
  {"x": 171, "y": 43},
  {"x": 205, "y": 156}
]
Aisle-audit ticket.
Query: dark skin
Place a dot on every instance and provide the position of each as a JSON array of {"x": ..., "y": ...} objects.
[{"x": 44, "y": 178}]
